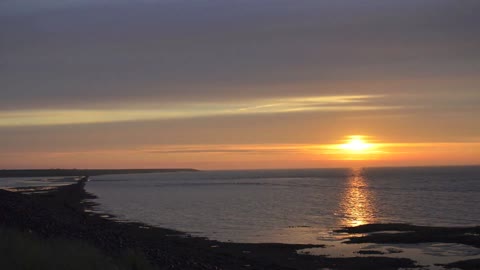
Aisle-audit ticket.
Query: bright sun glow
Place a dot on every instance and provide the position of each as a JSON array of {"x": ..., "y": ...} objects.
[
  {"x": 354, "y": 147},
  {"x": 356, "y": 144}
]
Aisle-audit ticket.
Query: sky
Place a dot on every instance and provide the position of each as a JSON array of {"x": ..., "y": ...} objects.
[{"x": 213, "y": 84}]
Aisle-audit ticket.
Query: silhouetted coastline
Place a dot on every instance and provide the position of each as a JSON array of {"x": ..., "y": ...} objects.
[{"x": 82, "y": 172}]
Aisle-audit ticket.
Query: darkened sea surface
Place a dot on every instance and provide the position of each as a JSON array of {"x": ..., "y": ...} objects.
[{"x": 291, "y": 206}]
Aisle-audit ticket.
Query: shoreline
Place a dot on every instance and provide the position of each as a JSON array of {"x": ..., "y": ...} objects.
[
  {"x": 61, "y": 212},
  {"x": 83, "y": 172}
]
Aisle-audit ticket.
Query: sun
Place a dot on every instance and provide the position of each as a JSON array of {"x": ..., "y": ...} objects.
[
  {"x": 354, "y": 147},
  {"x": 356, "y": 144}
]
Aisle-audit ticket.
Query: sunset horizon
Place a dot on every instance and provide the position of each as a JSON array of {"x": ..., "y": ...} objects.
[
  {"x": 240, "y": 134},
  {"x": 140, "y": 85},
  {"x": 352, "y": 151}
]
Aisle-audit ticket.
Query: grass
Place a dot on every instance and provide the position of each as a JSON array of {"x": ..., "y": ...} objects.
[{"x": 27, "y": 251}]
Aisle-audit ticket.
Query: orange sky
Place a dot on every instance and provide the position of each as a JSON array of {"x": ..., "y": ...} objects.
[
  {"x": 238, "y": 84},
  {"x": 254, "y": 156}
]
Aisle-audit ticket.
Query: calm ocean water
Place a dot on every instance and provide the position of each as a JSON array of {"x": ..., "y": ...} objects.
[{"x": 291, "y": 206}]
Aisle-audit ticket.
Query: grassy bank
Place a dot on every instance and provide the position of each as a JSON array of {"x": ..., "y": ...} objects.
[{"x": 25, "y": 251}]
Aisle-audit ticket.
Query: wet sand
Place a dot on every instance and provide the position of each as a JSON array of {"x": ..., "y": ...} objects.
[
  {"x": 398, "y": 233},
  {"x": 63, "y": 212}
]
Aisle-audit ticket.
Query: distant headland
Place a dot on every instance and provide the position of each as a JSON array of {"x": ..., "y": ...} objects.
[{"x": 83, "y": 172}]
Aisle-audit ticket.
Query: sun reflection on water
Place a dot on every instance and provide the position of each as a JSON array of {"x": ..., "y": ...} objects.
[{"x": 357, "y": 205}]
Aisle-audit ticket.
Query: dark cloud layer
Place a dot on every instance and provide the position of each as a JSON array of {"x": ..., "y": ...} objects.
[{"x": 85, "y": 53}]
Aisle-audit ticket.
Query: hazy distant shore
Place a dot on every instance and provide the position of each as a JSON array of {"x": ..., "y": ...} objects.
[
  {"x": 61, "y": 213},
  {"x": 83, "y": 172}
]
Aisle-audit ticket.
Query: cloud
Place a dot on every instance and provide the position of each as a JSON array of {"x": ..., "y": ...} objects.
[
  {"x": 234, "y": 149},
  {"x": 116, "y": 74},
  {"x": 183, "y": 51},
  {"x": 178, "y": 111}
]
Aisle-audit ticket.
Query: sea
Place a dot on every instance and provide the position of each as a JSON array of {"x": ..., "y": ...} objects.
[
  {"x": 291, "y": 206},
  {"x": 298, "y": 206}
]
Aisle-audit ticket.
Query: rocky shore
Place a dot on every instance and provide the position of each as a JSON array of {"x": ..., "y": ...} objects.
[
  {"x": 61, "y": 213},
  {"x": 411, "y": 234}
]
